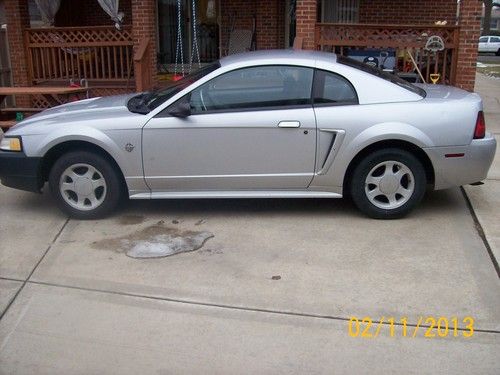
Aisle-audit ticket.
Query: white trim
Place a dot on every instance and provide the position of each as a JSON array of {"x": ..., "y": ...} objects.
[{"x": 237, "y": 194}]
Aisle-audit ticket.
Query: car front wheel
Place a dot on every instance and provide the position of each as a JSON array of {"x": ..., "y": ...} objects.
[
  {"x": 388, "y": 184},
  {"x": 85, "y": 185}
]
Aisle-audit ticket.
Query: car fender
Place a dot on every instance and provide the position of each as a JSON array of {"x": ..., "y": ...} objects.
[
  {"x": 351, "y": 147},
  {"x": 388, "y": 131},
  {"x": 39, "y": 145}
]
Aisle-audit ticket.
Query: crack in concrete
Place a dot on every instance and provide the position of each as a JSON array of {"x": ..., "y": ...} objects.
[
  {"x": 480, "y": 231},
  {"x": 239, "y": 308},
  {"x": 34, "y": 268}
]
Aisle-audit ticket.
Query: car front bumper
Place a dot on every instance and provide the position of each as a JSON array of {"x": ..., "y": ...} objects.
[
  {"x": 20, "y": 171},
  {"x": 452, "y": 169}
]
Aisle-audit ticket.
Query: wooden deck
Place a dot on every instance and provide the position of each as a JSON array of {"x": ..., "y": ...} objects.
[
  {"x": 341, "y": 37},
  {"x": 102, "y": 55},
  {"x": 98, "y": 52}
]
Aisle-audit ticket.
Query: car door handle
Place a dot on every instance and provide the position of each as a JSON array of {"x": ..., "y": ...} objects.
[{"x": 289, "y": 124}]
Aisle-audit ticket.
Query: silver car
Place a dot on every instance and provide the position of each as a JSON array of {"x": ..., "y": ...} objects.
[{"x": 268, "y": 124}]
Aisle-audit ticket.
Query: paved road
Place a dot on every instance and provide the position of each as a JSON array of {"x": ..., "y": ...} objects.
[
  {"x": 489, "y": 59},
  {"x": 271, "y": 293}
]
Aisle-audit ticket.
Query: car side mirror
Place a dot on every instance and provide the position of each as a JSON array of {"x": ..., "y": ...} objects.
[{"x": 181, "y": 108}]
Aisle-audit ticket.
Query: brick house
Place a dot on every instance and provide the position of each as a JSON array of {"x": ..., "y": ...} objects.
[{"x": 83, "y": 42}]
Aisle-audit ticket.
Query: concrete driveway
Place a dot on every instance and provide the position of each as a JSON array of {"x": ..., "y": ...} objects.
[{"x": 272, "y": 292}]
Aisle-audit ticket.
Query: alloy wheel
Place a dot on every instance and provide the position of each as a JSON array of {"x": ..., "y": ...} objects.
[{"x": 83, "y": 187}]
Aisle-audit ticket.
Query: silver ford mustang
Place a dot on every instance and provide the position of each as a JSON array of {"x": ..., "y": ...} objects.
[{"x": 288, "y": 124}]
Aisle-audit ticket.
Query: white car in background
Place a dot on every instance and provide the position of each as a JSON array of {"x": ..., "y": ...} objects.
[{"x": 489, "y": 43}]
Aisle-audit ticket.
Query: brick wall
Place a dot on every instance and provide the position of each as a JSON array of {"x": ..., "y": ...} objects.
[
  {"x": 269, "y": 17},
  {"x": 270, "y": 30},
  {"x": 17, "y": 15},
  {"x": 470, "y": 30},
  {"x": 407, "y": 12},
  {"x": 306, "y": 15},
  {"x": 144, "y": 26}
]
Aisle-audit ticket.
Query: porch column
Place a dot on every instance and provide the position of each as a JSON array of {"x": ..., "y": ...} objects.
[
  {"x": 306, "y": 21},
  {"x": 144, "y": 28},
  {"x": 18, "y": 20},
  {"x": 470, "y": 30}
]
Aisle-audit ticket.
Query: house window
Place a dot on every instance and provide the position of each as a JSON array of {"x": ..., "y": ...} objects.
[
  {"x": 340, "y": 11},
  {"x": 35, "y": 16},
  {"x": 494, "y": 24}
]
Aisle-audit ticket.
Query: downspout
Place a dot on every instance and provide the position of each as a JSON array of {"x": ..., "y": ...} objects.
[{"x": 457, "y": 21}]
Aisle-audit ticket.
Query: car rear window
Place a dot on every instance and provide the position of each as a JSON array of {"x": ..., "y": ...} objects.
[
  {"x": 333, "y": 89},
  {"x": 381, "y": 74}
]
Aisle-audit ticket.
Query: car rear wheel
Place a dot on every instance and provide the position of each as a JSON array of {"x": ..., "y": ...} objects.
[
  {"x": 498, "y": 52},
  {"x": 388, "y": 184},
  {"x": 85, "y": 185}
]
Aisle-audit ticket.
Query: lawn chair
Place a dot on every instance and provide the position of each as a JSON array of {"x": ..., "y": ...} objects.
[{"x": 240, "y": 40}]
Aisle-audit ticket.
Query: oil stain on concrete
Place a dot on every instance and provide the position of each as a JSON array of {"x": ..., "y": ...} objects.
[
  {"x": 131, "y": 219},
  {"x": 155, "y": 241}
]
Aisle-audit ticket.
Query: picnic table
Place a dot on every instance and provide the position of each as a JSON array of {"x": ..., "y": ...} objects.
[{"x": 55, "y": 95}]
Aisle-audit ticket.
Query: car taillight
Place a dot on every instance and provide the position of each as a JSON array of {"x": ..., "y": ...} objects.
[{"x": 480, "y": 130}]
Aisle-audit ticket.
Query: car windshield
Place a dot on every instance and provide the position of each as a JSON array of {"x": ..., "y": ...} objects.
[
  {"x": 393, "y": 78},
  {"x": 146, "y": 102}
]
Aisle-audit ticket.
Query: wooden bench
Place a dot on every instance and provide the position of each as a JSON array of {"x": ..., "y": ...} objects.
[
  {"x": 14, "y": 109},
  {"x": 5, "y": 124}
]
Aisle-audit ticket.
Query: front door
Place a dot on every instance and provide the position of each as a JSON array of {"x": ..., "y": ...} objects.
[{"x": 252, "y": 129}]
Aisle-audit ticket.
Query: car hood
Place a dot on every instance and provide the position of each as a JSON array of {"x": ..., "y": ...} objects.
[{"x": 89, "y": 110}]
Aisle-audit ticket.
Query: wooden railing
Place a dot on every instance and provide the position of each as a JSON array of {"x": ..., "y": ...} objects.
[
  {"x": 142, "y": 61},
  {"x": 341, "y": 37},
  {"x": 93, "y": 53}
]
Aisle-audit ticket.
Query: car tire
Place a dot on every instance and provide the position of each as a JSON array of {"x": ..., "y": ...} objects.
[
  {"x": 498, "y": 52},
  {"x": 85, "y": 185},
  {"x": 388, "y": 183}
]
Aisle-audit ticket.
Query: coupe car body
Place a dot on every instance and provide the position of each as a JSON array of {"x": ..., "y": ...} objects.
[{"x": 260, "y": 124}]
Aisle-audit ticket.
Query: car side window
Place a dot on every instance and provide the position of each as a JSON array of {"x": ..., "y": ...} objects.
[
  {"x": 254, "y": 88},
  {"x": 495, "y": 39},
  {"x": 333, "y": 89},
  {"x": 483, "y": 39}
]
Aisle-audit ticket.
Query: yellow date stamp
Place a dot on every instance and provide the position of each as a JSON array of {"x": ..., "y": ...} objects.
[{"x": 426, "y": 326}]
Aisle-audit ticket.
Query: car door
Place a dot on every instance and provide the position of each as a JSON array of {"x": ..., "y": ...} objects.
[
  {"x": 483, "y": 44},
  {"x": 335, "y": 100},
  {"x": 252, "y": 128},
  {"x": 494, "y": 44}
]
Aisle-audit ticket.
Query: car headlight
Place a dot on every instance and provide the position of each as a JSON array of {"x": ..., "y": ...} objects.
[{"x": 11, "y": 144}]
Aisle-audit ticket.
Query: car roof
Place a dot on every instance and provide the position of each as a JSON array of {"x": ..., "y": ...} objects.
[{"x": 280, "y": 55}]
